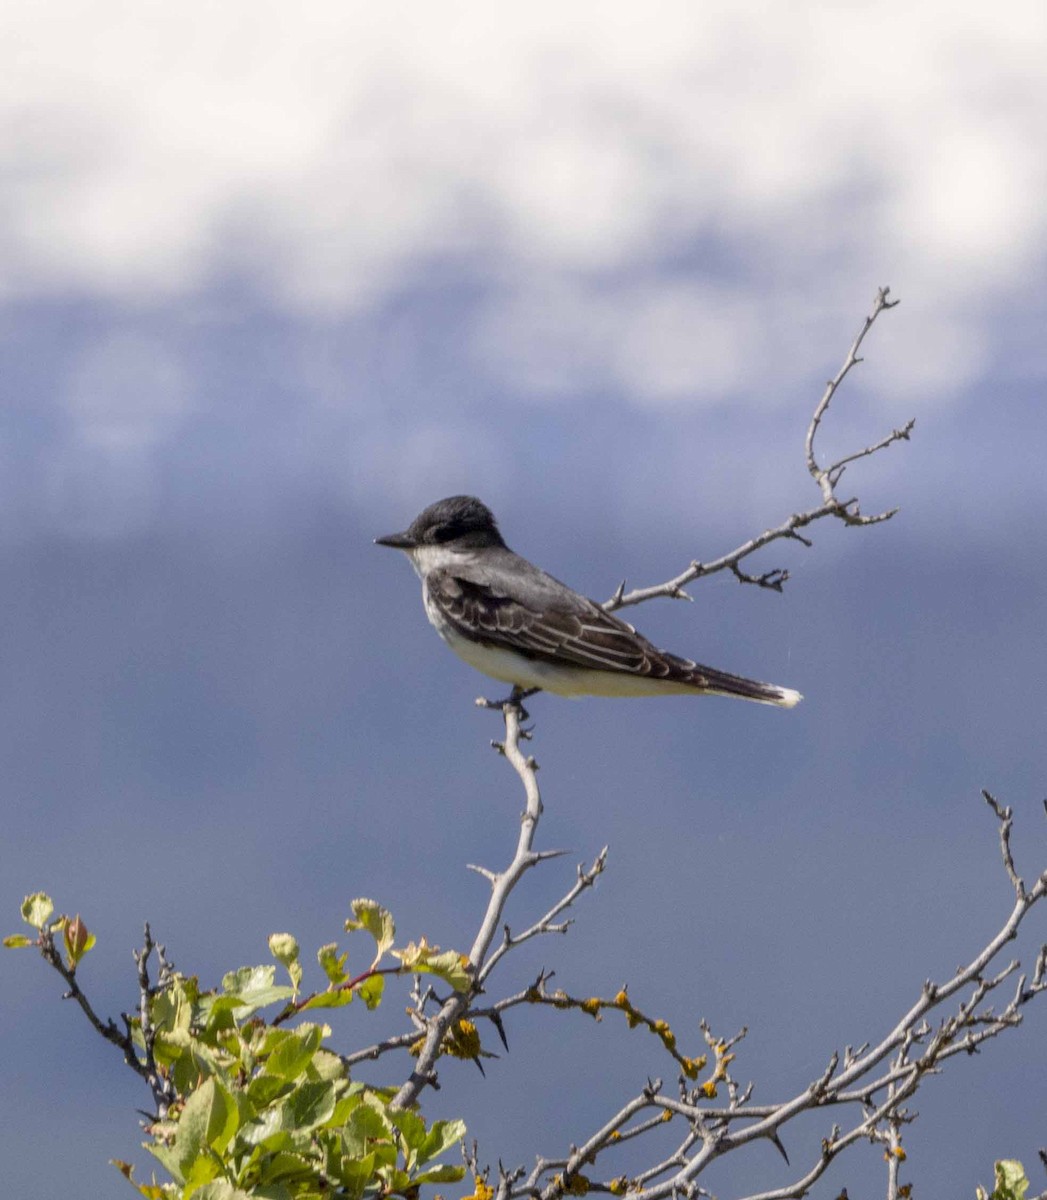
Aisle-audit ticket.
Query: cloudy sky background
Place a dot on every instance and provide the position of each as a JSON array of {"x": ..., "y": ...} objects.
[{"x": 272, "y": 281}]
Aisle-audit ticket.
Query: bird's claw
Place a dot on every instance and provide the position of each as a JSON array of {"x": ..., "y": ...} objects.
[{"x": 514, "y": 699}]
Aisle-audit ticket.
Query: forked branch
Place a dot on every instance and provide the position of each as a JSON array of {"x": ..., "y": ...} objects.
[
  {"x": 827, "y": 479},
  {"x": 482, "y": 959},
  {"x": 867, "y": 1089}
]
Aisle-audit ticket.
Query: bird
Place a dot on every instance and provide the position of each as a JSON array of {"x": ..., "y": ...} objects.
[{"x": 512, "y": 621}]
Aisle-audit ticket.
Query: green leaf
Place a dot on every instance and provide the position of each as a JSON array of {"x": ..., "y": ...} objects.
[
  {"x": 208, "y": 1122},
  {"x": 1011, "y": 1183},
  {"x": 364, "y": 1127},
  {"x": 411, "y": 1127},
  {"x": 423, "y": 959},
  {"x": 333, "y": 963},
  {"x": 246, "y": 981},
  {"x": 311, "y": 1104},
  {"x": 294, "y": 1050},
  {"x": 296, "y": 1168},
  {"x": 445, "y": 1173},
  {"x": 268, "y": 1128},
  {"x": 206, "y": 1167},
  {"x": 284, "y": 948},
  {"x": 287, "y": 1123},
  {"x": 171, "y": 1010},
  {"x": 264, "y": 1089},
  {"x": 371, "y": 990},
  {"x": 378, "y": 921},
  {"x": 37, "y": 909},
  {"x": 15, "y": 940},
  {"x": 336, "y": 998},
  {"x": 327, "y": 1065},
  {"x": 348, "y": 1102},
  {"x": 222, "y": 1189},
  {"x": 395, "y": 1180},
  {"x": 270, "y": 1191},
  {"x": 167, "y": 1158},
  {"x": 441, "y": 1137},
  {"x": 451, "y": 967},
  {"x": 355, "y": 1173},
  {"x": 251, "y": 988}
]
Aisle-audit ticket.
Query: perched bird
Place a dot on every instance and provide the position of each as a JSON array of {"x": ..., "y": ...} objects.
[{"x": 509, "y": 619}]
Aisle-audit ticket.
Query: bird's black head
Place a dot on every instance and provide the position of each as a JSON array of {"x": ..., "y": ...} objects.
[{"x": 464, "y": 520}]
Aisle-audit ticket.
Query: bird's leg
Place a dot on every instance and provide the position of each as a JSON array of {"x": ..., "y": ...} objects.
[{"x": 515, "y": 698}]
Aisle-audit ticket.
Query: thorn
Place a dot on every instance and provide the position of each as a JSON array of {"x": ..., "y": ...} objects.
[
  {"x": 496, "y": 1020},
  {"x": 537, "y": 856}
]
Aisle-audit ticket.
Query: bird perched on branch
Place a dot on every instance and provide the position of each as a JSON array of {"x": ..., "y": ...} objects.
[{"x": 509, "y": 619}]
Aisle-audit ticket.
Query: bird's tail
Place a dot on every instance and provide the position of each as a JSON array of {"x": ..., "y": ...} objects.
[{"x": 719, "y": 683}]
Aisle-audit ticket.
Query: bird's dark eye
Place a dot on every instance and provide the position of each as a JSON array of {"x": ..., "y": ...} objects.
[{"x": 442, "y": 533}]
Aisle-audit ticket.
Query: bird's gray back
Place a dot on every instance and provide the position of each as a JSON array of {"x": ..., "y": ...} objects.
[{"x": 510, "y": 575}]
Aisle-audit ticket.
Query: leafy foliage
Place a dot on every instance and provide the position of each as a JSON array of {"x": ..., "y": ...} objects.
[
  {"x": 261, "y": 1109},
  {"x": 1011, "y": 1183}
]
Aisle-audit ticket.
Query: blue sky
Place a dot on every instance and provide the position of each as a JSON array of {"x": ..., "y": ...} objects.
[{"x": 273, "y": 284}]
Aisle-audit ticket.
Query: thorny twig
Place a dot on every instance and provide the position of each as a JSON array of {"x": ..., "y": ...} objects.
[
  {"x": 481, "y": 960},
  {"x": 827, "y": 479},
  {"x": 144, "y": 1064},
  {"x": 855, "y": 1082}
]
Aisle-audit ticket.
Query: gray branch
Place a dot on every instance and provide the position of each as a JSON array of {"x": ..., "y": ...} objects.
[
  {"x": 827, "y": 479},
  {"x": 869, "y": 1093},
  {"x": 482, "y": 959},
  {"x": 144, "y": 1064}
]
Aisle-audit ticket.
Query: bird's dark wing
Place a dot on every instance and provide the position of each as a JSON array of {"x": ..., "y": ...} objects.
[{"x": 580, "y": 633}]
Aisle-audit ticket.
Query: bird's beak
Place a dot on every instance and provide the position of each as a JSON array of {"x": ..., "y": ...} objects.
[{"x": 398, "y": 541}]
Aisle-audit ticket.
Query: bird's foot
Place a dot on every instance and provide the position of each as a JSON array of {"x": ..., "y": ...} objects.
[{"x": 515, "y": 699}]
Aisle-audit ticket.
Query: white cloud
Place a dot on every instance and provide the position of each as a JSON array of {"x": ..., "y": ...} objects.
[
  {"x": 815, "y": 150},
  {"x": 661, "y": 342}
]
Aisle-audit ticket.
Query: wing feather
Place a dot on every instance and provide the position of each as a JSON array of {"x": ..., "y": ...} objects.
[{"x": 592, "y": 639}]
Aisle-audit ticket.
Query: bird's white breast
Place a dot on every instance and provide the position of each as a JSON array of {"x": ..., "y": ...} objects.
[{"x": 509, "y": 667}]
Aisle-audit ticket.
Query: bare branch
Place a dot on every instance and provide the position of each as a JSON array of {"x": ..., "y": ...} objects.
[
  {"x": 502, "y": 883},
  {"x": 849, "y": 362},
  {"x": 370, "y": 1053},
  {"x": 870, "y": 1095},
  {"x": 1006, "y": 819},
  {"x": 162, "y": 1088},
  {"x": 586, "y": 879},
  {"x": 827, "y": 479}
]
